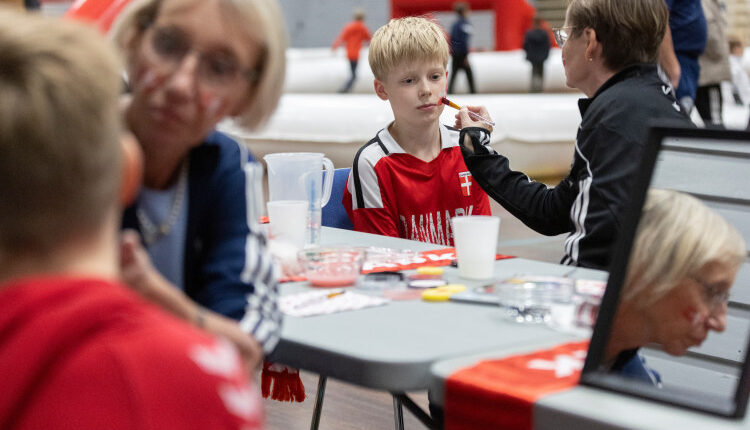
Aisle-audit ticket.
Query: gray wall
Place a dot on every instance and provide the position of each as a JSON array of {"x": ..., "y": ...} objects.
[{"x": 316, "y": 23}]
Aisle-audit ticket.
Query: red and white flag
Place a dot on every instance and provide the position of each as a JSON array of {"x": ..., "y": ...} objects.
[
  {"x": 500, "y": 394},
  {"x": 464, "y": 178}
]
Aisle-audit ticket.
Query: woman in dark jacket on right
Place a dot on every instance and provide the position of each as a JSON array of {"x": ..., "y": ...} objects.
[{"x": 609, "y": 50}]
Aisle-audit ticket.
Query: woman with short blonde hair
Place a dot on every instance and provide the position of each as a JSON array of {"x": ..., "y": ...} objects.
[
  {"x": 683, "y": 262},
  {"x": 189, "y": 65}
]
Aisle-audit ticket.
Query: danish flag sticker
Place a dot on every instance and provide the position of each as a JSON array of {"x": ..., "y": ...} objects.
[{"x": 464, "y": 178}]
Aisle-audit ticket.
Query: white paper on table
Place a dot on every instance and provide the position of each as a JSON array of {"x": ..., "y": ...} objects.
[{"x": 312, "y": 303}]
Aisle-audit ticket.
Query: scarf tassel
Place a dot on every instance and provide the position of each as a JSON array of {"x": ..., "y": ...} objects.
[{"x": 286, "y": 382}]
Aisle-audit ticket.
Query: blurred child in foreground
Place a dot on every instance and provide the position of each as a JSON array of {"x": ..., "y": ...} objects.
[{"x": 79, "y": 350}]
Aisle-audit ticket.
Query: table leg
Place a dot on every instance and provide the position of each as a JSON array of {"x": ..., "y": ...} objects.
[
  {"x": 318, "y": 402},
  {"x": 398, "y": 414},
  {"x": 421, "y": 415}
]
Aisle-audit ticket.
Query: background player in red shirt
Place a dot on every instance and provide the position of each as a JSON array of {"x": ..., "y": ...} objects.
[
  {"x": 78, "y": 349},
  {"x": 410, "y": 180},
  {"x": 354, "y": 34}
]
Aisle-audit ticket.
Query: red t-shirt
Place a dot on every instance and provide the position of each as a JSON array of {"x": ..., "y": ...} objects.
[
  {"x": 393, "y": 193},
  {"x": 353, "y": 34},
  {"x": 89, "y": 354}
]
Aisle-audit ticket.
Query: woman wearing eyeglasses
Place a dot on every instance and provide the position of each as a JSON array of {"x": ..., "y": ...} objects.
[
  {"x": 609, "y": 51},
  {"x": 683, "y": 262},
  {"x": 190, "y": 64}
]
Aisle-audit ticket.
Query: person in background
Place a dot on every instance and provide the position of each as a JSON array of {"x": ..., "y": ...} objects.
[
  {"x": 353, "y": 35},
  {"x": 32, "y": 4},
  {"x": 609, "y": 50},
  {"x": 78, "y": 349},
  {"x": 410, "y": 180},
  {"x": 682, "y": 265},
  {"x": 461, "y": 32},
  {"x": 740, "y": 80},
  {"x": 190, "y": 64},
  {"x": 536, "y": 45},
  {"x": 684, "y": 41},
  {"x": 714, "y": 64}
]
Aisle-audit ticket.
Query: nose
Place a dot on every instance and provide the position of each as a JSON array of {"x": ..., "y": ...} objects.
[
  {"x": 424, "y": 88},
  {"x": 182, "y": 81},
  {"x": 717, "y": 321}
]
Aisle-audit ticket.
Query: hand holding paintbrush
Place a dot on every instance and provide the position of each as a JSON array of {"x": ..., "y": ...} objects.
[{"x": 476, "y": 116}]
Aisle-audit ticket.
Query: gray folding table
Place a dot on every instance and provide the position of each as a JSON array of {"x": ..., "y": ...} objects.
[{"x": 392, "y": 347}]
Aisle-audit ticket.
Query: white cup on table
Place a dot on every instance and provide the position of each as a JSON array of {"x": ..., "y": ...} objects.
[
  {"x": 287, "y": 221},
  {"x": 475, "y": 238}
]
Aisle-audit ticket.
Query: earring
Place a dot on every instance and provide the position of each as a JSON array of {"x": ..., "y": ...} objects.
[{"x": 591, "y": 58}]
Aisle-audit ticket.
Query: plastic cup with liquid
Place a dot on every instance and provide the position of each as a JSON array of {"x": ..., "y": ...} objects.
[
  {"x": 287, "y": 221},
  {"x": 299, "y": 176},
  {"x": 475, "y": 238}
]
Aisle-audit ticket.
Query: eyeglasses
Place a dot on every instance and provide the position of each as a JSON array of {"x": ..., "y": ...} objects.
[
  {"x": 715, "y": 298},
  {"x": 561, "y": 35},
  {"x": 215, "y": 69}
]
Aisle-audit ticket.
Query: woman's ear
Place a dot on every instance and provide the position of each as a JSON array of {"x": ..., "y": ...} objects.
[
  {"x": 380, "y": 90},
  {"x": 132, "y": 169},
  {"x": 592, "y": 43}
]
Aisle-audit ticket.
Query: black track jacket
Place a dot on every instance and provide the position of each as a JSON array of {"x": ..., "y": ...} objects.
[{"x": 589, "y": 202}]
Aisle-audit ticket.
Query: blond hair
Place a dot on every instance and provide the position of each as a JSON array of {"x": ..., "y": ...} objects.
[
  {"x": 59, "y": 131},
  {"x": 263, "y": 22},
  {"x": 676, "y": 237},
  {"x": 630, "y": 31},
  {"x": 406, "y": 39}
]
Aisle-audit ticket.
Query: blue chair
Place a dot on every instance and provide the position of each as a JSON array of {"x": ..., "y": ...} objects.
[{"x": 334, "y": 214}]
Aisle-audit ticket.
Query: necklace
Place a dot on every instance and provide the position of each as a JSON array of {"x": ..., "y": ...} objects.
[{"x": 151, "y": 231}]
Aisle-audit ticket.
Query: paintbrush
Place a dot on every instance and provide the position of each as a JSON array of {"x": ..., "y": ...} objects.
[{"x": 474, "y": 115}]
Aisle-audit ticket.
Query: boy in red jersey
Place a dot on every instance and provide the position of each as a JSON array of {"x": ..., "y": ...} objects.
[
  {"x": 78, "y": 350},
  {"x": 410, "y": 180}
]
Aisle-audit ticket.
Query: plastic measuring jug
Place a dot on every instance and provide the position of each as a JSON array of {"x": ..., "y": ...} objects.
[{"x": 299, "y": 176}]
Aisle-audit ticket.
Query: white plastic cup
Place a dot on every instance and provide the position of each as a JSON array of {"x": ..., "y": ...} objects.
[
  {"x": 287, "y": 221},
  {"x": 475, "y": 238}
]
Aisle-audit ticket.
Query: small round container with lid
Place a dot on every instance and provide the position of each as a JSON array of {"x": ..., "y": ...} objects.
[
  {"x": 332, "y": 266},
  {"x": 530, "y": 299}
]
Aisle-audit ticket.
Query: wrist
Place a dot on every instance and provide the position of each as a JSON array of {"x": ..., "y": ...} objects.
[
  {"x": 199, "y": 317},
  {"x": 475, "y": 139}
]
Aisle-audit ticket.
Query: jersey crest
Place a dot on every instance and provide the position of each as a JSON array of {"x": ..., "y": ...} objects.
[{"x": 464, "y": 179}]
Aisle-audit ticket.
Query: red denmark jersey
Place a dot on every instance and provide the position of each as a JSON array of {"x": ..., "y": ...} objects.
[{"x": 393, "y": 193}]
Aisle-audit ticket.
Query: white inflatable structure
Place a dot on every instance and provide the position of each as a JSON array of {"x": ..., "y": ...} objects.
[
  {"x": 321, "y": 70},
  {"x": 536, "y": 131}
]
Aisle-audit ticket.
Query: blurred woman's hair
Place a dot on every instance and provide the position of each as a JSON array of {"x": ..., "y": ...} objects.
[
  {"x": 260, "y": 19},
  {"x": 676, "y": 237}
]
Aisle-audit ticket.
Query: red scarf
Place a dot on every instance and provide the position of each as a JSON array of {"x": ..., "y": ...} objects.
[{"x": 500, "y": 394}]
